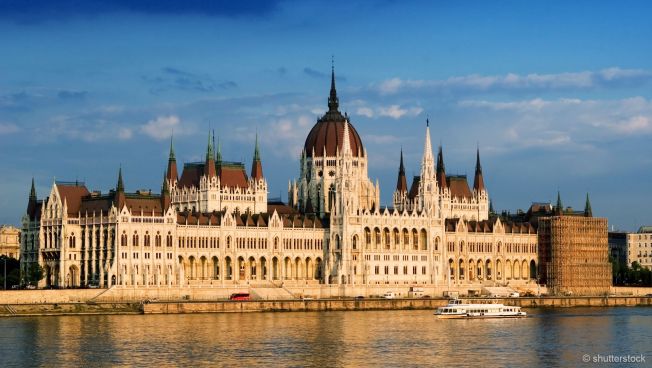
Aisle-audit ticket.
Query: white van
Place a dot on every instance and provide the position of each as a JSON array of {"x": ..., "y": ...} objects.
[{"x": 390, "y": 295}]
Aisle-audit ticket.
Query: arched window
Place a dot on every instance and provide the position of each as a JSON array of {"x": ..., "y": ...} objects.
[
  {"x": 134, "y": 239},
  {"x": 367, "y": 236},
  {"x": 386, "y": 237},
  {"x": 415, "y": 239},
  {"x": 377, "y": 236},
  {"x": 147, "y": 239},
  {"x": 168, "y": 240},
  {"x": 123, "y": 239},
  {"x": 355, "y": 242},
  {"x": 71, "y": 241},
  {"x": 157, "y": 239}
]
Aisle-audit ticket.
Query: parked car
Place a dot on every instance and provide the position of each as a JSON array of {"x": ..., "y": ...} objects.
[
  {"x": 30, "y": 287},
  {"x": 514, "y": 294},
  {"x": 240, "y": 296},
  {"x": 390, "y": 295}
]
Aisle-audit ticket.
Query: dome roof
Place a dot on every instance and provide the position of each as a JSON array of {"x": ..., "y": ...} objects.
[{"x": 328, "y": 133}]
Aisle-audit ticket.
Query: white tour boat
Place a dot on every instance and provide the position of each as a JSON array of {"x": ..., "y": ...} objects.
[{"x": 458, "y": 309}]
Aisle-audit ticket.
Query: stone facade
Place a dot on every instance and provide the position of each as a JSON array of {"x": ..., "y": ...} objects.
[
  {"x": 10, "y": 241},
  {"x": 639, "y": 247},
  {"x": 214, "y": 226}
]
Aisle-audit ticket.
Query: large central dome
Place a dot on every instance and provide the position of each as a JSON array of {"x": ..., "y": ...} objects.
[{"x": 328, "y": 133}]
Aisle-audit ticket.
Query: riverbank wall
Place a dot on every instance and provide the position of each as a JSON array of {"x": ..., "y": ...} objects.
[{"x": 313, "y": 305}]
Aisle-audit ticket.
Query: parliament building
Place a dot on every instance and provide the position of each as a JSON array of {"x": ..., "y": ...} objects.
[{"x": 213, "y": 225}]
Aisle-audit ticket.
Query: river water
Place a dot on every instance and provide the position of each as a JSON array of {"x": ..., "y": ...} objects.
[{"x": 548, "y": 338}]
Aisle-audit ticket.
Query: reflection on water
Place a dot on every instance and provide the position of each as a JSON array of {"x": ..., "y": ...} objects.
[{"x": 553, "y": 337}]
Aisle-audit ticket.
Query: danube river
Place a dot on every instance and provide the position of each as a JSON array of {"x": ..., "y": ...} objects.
[{"x": 548, "y": 338}]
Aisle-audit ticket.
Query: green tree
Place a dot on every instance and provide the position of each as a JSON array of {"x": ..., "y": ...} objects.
[
  {"x": 12, "y": 271},
  {"x": 35, "y": 273}
]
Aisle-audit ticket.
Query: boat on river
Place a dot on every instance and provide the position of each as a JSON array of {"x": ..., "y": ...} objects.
[{"x": 456, "y": 308}]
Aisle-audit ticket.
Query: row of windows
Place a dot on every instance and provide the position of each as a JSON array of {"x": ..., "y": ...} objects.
[
  {"x": 488, "y": 247},
  {"x": 147, "y": 239},
  {"x": 387, "y": 257},
  {"x": 386, "y": 270},
  {"x": 125, "y": 255}
]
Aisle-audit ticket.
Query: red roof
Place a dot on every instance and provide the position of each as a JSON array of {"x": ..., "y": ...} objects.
[
  {"x": 459, "y": 187},
  {"x": 230, "y": 174},
  {"x": 72, "y": 194}
]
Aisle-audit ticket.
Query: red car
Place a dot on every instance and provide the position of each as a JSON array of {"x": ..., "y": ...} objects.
[{"x": 240, "y": 296}]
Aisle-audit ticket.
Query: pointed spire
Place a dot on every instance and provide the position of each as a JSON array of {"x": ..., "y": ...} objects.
[
  {"x": 256, "y": 165},
  {"x": 209, "y": 168},
  {"x": 427, "y": 148},
  {"x": 119, "y": 198},
  {"x": 559, "y": 209},
  {"x": 588, "y": 212},
  {"x": 171, "y": 173},
  {"x": 346, "y": 138},
  {"x": 256, "y": 151},
  {"x": 333, "y": 101},
  {"x": 441, "y": 169},
  {"x": 401, "y": 183},
  {"x": 171, "y": 157},
  {"x": 209, "y": 150},
  {"x": 120, "y": 187},
  {"x": 32, "y": 191},
  {"x": 478, "y": 183}
]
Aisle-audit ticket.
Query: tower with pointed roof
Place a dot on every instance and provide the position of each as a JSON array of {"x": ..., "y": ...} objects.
[
  {"x": 401, "y": 191},
  {"x": 479, "y": 191},
  {"x": 172, "y": 175},
  {"x": 588, "y": 212},
  {"x": 428, "y": 192}
]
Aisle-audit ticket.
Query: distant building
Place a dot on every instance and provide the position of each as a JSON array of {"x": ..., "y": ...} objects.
[
  {"x": 10, "y": 241},
  {"x": 639, "y": 247},
  {"x": 574, "y": 252},
  {"x": 618, "y": 246}
]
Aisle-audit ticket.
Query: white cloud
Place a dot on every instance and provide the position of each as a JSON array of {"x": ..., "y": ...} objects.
[
  {"x": 125, "y": 133},
  {"x": 391, "y": 111},
  {"x": 8, "y": 128},
  {"x": 162, "y": 127},
  {"x": 634, "y": 125},
  {"x": 512, "y": 81}
]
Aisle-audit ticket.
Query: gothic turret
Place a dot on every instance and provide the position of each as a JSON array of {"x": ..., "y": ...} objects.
[
  {"x": 478, "y": 182},
  {"x": 588, "y": 212},
  {"x": 31, "y": 204},
  {"x": 119, "y": 198},
  {"x": 209, "y": 168},
  {"x": 559, "y": 208},
  {"x": 171, "y": 174},
  {"x": 441, "y": 169},
  {"x": 401, "y": 182},
  {"x": 256, "y": 165}
]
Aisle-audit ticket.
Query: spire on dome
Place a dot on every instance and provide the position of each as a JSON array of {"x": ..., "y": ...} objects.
[
  {"x": 588, "y": 212},
  {"x": 478, "y": 183},
  {"x": 441, "y": 169},
  {"x": 401, "y": 183},
  {"x": 333, "y": 101}
]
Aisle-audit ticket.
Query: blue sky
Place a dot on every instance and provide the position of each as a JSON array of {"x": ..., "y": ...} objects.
[{"x": 556, "y": 94}]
